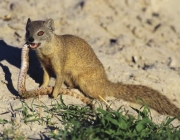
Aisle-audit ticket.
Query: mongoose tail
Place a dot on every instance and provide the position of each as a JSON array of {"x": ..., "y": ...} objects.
[{"x": 142, "y": 94}]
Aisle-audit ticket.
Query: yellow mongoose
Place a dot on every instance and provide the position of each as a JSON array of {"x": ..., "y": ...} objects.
[{"x": 74, "y": 62}]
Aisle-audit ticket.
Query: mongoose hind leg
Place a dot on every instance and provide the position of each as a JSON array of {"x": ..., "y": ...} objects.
[
  {"x": 69, "y": 82},
  {"x": 93, "y": 89},
  {"x": 84, "y": 99}
]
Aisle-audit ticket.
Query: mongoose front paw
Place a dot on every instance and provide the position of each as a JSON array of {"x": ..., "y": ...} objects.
[
  {"x": 52, "y": 96},
  {"x": 43, "y": 85}
]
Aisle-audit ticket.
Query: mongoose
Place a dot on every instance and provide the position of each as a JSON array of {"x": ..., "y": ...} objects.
[{"x": 74, "y": 62}]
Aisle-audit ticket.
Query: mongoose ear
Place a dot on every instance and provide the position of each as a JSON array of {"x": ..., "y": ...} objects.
[
  {"x": 28, "y": 22},
  {"x": 50, "y": 24}
]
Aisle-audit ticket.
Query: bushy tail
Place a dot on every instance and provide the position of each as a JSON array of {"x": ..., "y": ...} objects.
[{"x": 148, "y": 96}]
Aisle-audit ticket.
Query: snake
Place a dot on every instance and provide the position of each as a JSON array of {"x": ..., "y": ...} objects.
[{"x": 24, "y": 94}]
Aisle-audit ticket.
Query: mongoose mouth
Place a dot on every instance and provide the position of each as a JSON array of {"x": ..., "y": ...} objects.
[{"x": 34, "y": 45}]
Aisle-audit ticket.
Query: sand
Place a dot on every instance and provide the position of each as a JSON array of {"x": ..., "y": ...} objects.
[{"x": 136, "y": 40}]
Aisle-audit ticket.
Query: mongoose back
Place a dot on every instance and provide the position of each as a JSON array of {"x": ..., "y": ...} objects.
[{"x": 74, "y": 62}]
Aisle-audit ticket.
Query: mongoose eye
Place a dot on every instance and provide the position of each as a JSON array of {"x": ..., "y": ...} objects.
[{"x": 40, "y": 33}]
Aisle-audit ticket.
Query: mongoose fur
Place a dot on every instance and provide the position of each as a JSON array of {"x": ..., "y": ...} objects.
[{"x": 74, "y": 62}]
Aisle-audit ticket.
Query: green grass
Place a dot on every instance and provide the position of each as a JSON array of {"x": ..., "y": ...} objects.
[
  {"x": 108, "y": 125},
  {"x": 81, "y": 123}
]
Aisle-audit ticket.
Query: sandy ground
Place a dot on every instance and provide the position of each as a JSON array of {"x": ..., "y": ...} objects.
[{"x": 136, "y": 40}]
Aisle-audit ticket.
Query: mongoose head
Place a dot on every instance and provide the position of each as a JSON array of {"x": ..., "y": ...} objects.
[{"x": 39, "y": 32}]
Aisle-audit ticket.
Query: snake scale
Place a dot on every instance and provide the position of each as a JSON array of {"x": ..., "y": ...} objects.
[{"x": 42, "y": 90}]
